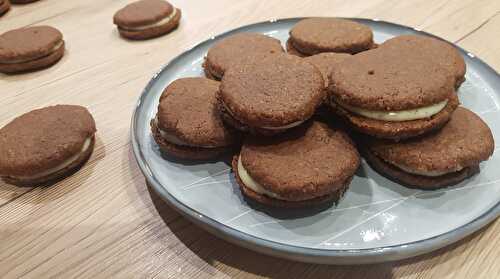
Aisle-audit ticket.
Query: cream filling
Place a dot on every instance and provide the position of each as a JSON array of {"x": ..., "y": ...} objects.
[
  {"x": 152, "y": 25},
  {"x": 250, "y": 183},
  {"x": 424, "y": 173},
  {"x": 63, "y": 165},
  {"x": 175, "y": 140},
  {"x": 284, "y": 127},
  {"x": 397, "y": 116},
  {"x": 54, "y": 49}
]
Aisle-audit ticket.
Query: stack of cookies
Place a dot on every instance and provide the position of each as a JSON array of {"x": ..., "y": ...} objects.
[{"x": 396, "y": 100}]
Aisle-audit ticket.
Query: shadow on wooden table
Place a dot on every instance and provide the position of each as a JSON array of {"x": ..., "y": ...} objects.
[{"x": 234, "y": 260}]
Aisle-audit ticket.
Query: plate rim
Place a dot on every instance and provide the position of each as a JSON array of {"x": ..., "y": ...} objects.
[{"x": 306, "y": 254}]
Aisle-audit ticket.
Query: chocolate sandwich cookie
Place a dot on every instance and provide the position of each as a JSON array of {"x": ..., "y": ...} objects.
[
  {"x": 30, "y": 48},
  {"x": 391, "y": 94},
  {"x": 270, "y": 95},
  {"x": 234, "y": 49},
  {"x": 428, "y": 48},
  {"x": 147, "y": 19},
  {"x": 305, "y": 166},
  {"x": 4, "y": 6},
  {"x": 46, "y": 144},
  {"x": 439, "y": 159},
  {"x": 188, "y": 125},
  {"x": 316, "y": 35}
]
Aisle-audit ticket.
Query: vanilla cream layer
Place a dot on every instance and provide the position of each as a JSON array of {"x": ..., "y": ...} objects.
[
  {"x": 152, "y": 25},
  {"x": 284, "y": 127},
  {"x": 397, "y": 116},
  {"x": 54, "y": 49},
  {"x": 425, "y": 173},
  {"x": 250, "y": 183},
  {"x": 175, "y": 140},
  {"x": 63, "y": 165}
]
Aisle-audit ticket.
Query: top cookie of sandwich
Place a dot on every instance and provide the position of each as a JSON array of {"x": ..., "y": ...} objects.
[
  {"x": 440, "y": 52},
  {"x": 316, "y": 35},
  {"x": 272, "y": 92},
  {"x": 142, "y": 13},
  {"x": 236, "y": 48},
  {"x": 386, "y": 79},
  {"x": 29, "y": 43},
  {"x": 326, "y": 62}
]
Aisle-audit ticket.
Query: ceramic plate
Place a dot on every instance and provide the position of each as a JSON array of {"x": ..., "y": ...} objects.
[{"x": 377, "y": 220}]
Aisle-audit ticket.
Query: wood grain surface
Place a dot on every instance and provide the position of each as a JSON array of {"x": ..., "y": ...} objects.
[{"x": 105, "y": 222}]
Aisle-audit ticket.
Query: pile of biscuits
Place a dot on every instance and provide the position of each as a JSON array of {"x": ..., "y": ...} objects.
[{"x": 295, "y": 121}]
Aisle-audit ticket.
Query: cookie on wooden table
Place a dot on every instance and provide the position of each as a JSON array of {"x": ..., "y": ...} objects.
[
  {"x": 30, "y": 48},
  {"x": 188, "y": 125},
  {"x": 390, "y": 94},
  {"x": 439, "y": 159},
  {"x": 428, "y": 48},
  {"x": 46, "y": 144},
  {"x": 4, "y": 6},
  {"x": 327, "y": 34},
  {"x": 271, "y": 94},
  {"x": 234, "y": 49},
  {"x": 146, "y": 19},
  {"x": 306, "y": 166}
]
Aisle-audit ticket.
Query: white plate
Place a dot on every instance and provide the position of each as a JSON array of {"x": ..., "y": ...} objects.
[{"x": 377, "y": 220}]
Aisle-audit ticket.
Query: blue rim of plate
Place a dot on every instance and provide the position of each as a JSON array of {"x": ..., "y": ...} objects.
[{"x": 303, "y": 254}]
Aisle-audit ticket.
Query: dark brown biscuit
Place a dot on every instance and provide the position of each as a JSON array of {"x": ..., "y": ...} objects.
[
  {"x": 315, "y": 35},
  {"x": 386, "y": 80},
  {"x": 326, "y": 62},
  {"x": 418, "y": 181},
  {"x": 54, "y": 177},
  {"x": 144, "y": 19},
  {"x": 187, "y": 152},
  {"x": 266, "y": 200},
  {"x": 234, "y": 49},
  {"x": 28, "y": 43},
  {"x": 32, "y": 65},
  {"x": 397, "y": 130},
  {"x": 275, "y": 91},
  {"x": 22, "y": 1},
  {"x": 30, "y": 48},
  {"x": 4, "y": 6},
  {"x": 309, "y": 162},
  {"x": 438, "y": 51},
  {"x": 188, "y": 110},
  {"x": 457, "y": 150},
  {"x": 292, "y": 51},
  {"x": 43, "y": 139}
]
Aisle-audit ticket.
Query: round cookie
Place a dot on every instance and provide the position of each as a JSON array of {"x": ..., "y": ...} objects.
[
  {"x": 46, "y": 144},
  {"x": 439, "y": 159},
  {"x": 440, "y": 52},
  {"x": 29, "y": 49},
  {"x": 326, "y": 62},
  {"x": 315, "y": 35},
  {"x": 391, "y": 94},
  {"x": 305, "y": 166},
  {"x": 271, "y": 94},
  {"x": 234, "y": 49},
  {"x": 146, "y": 19},
  {"x": 4, "y": 6},
  {"x": 188, "y": 125}
]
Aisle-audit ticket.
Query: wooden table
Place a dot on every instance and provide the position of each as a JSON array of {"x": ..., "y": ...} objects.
[{"x": 104, "y": 221}]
